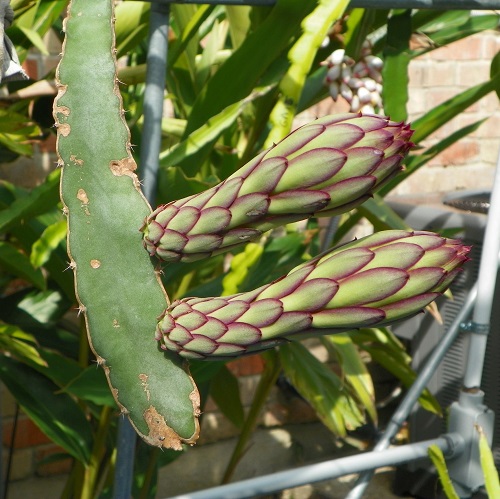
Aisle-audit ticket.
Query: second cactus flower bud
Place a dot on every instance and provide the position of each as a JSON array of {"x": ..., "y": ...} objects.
[{"x": 376, "y": 280}]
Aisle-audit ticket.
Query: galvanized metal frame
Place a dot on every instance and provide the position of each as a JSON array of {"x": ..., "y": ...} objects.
[{"x": 480, "y": 296}]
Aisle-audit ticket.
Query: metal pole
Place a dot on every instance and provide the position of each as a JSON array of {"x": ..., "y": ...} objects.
[
  {"x": 427, "y": 4},
  {"x": 451, "y": 444},
  {"x": 125, "y": 447},
  {"x": 368, "y": 4},
  {"x": 480, "y": 325},
  {"x": 149, "y": 163},
  {"x": 153, "y": 98},
  {"x": 469, "y": 412}
]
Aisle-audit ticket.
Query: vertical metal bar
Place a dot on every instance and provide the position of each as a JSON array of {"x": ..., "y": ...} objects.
[
  {"x": 480, "y": 326},
  {"x": 148, "y": 171},
  {"x": 124, "y": 469},
  {"x": 153, "y": 98}
]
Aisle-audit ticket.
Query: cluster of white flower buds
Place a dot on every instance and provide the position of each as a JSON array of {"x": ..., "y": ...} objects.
[{"x": 359, "y": 83}]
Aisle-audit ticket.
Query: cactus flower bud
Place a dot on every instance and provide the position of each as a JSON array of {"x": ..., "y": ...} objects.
[
  {"x": 324, "y": 168},
  {"x": 375, "y": 280}
]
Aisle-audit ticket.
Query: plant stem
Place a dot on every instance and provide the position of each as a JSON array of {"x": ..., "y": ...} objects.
[
  {"x": 267, "y": 380},
  {"x": 98, "y": 452},
  {"x": 69, "y": 486},
  {"x": 151, "y": 469},
  {"x": 183, "y": 286}
]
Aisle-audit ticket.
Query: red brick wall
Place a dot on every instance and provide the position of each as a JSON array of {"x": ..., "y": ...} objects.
[{"x": 434, "y": 78}]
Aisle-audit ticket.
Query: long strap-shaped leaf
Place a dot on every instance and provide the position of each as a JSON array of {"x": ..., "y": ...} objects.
[{"x": 117, "y": 286}]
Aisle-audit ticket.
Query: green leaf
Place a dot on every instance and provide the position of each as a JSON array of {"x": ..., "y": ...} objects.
[
  {"x": 91, "y": 385},
  {"x": 301, "y": 56},
  {"x": 190, "y": 23},
  {"x": 40, "y": 200},
  {"x": 386, "y": 349},
  {"x": 34, "y": 311},
  {"x": 60, "y": 369},
  {"x": 440, "y": 20},
  {"x": 12, "y": 142},
  {"x": 50, "y": 239},
  {"x": 47, "y": 13},
  {"x": 488, "y": 466},
  {"x": 239, "y": 23},
  {"x": 206, "y": 134},
  {"x": 280, "y": 255},
  {"x": 359, "y": 24},
  {"x": 132, "y": 75},
  {"x": 249, "y": 61},
  {"x": 453, "y": 26},
  {"x": 173, "y": 185},
  {"x": 381, "y": 215},
  {"x": 396, "y": 61},
  {"x": 35, "y": 39},
  {"x": 131, "y": 27},
  {"x": 437, "y": 458},
  {"x": 57, "y": 415},
  {"x": 225, "y": 391},
  {"x": 15, "y": 131},
  {"x": 403, "y": 372},
  {"x": 354, "y": 370},
  {"x": 18, "y": 264},
  {"x": 495, "y": 69},
  {"x": 20, "y": 345},
  {"x": 322, "y": 388},
  {"x": 36, "y": 16},
  {"x": 314, "y": 89},
  {"x": 205, "y": 65},
  {"x": 240, "y": 267}
]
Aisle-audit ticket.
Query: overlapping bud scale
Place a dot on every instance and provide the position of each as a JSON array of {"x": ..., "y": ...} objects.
[
  {"x": 323, "y": 168},
  {"x": 376, "y": 280}
]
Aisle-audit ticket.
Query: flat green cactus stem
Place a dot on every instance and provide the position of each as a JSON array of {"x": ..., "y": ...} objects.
[{"x": 117, "y": 286}]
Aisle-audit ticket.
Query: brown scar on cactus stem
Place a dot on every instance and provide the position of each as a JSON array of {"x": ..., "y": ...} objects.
[
  {"x": 144, "y": 383},
  {"x": 160, "y": 434},
  {"x": 64, "y": 110},
  {"x": 125, "y": 166},
  {"x": 82, "y": 196},
  {"x": 75, "y": 160},
  {"x": 64, "y": 129}
]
